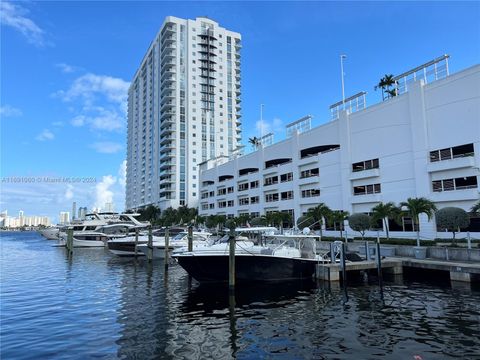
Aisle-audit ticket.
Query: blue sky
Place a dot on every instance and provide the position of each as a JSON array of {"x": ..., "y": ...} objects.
[{"x": 65, "y": 69}]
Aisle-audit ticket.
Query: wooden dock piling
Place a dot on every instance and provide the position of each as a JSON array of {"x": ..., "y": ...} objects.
[
  {"x": 167, "y": 244},
  {"x": 136, "y": 243},
  {"x": 231, "y": 260},
  {"x": 150, "y": 245},
  {"x": 190, "y": 238},
  {"x": 69, "y": 243}
]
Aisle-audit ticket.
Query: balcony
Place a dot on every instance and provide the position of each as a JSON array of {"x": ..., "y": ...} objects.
[
  {"x": 165, "y": 130},
  {"x": 167, "y": 106},
  {"x": 166, "y": 155},
  {"x": 166, "y": 165},
  {"x": 364, "y": 174},
  {"x": 167, "y": 140},
  {"x": 169, "y": 87},
  {"x": 455, "y": 195},
  {"x": 168, "y": 55},
  {"x": 169, "y": 39},
  {"x": 366, "y": 199},
  {"x": 456, "y": 163}
]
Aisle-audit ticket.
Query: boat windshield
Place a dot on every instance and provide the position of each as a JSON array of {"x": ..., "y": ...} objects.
[{"x": 179, "y": 236}]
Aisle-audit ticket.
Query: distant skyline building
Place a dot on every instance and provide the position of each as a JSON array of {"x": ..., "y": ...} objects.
[
  {"x": 82, "y": 211},
  {"x": 183, "y": 109},
  {"x": 74, "y": 210},
  {"x": 109, "y": 207},
  {"x": 22, "y": 220},
  {"x": 64, "y": 217}
]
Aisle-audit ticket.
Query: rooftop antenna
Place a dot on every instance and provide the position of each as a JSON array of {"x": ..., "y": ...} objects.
[
  {"x": 343, "y": 56},
  {"x": 261, "y": 120}
]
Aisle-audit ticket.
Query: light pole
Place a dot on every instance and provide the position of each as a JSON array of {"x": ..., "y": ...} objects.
[{"x": 343, "y": 83}]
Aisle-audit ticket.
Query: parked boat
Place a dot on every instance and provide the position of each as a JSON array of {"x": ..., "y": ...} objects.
[
  {"x": 270, "y": 258},
  {"x": 98, "y": 228},
  {"x": 126, "y": 246},
  {"x": 180, "y": 241},
  {"x": 50, "y": 233}
]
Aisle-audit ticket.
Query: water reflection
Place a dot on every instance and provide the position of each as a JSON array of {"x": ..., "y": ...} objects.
[{"x": 97, "y": 305}]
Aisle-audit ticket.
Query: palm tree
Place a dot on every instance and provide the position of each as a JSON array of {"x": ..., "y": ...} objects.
[
  {"x": 338, "y": 216},
  {"x": 475, "y": 210},
  {"x": 385, "y": 83},
  {"x": 318, "y": 213},
  {"x": 385, "y": 212},
  {"x": 416, "y": 206},
  {"x": 254, "y": 141}
]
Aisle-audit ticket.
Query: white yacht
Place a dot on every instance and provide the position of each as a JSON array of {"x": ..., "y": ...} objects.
[
  {"x": 50, "y": 233},
  {"x": 98, "y": 228},
  {"x": 180, "y": 241},
  {"x": 126, "y": 246}
]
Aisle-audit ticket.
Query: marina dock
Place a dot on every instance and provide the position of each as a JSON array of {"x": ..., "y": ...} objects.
[{"x": 459, "y": 271}]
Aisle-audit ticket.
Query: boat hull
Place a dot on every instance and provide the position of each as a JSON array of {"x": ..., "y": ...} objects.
[
  {"x": 259, "y": 268},
  {"x": 50, "y": 234},
  {"x": 158, "y": 251},
  {"x": 88, "y": 243},
  {"x": 123, "y": 248}
]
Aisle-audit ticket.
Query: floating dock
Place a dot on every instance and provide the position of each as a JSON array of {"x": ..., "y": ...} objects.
[{"x": 465, "y": 272}]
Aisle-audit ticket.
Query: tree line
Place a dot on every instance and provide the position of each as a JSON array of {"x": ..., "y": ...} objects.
[{"x": 452, "y": 219}]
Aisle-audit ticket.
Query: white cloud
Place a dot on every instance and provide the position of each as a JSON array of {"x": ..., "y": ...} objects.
[
  {"x": 45, "y": 135},
  {"x": 87, "y": 92},
  {"x": 122, "y": 173},
  {"x": 108, "y": 120},
  {"x": 78, "y": 120},
  {"x": 69, "y": 192},
  {"x": 9, "y": 111},
  {"x": 104, "y": 193},
  {"x": 89, "y": 85},
  {"x": 106, "y": 147},
  {"x": 263, "y": 127},
  {"x": 50, "y": 197},
  {"x": 57, "y": 123},
  {"x": 14, "y": 15},
  {"x": 65, "y": 68}
]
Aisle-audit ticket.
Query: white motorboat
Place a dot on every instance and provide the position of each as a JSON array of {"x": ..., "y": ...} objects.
[
  {"x": 180, "y": 241},
  {"x": 97, "y": 228},
  {"x": 50, "y": 233},
  {"x": 271, "y": 258}
]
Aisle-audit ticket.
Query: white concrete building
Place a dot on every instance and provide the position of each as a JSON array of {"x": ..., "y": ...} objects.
[
  {"x": 425, "y": 142},
  {"x": 183, "y": 108}
]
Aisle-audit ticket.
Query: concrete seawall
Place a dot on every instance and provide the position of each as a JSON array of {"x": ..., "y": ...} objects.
[{"x": 433, "y": 252}]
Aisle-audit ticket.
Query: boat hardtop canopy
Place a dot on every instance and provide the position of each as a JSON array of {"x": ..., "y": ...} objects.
[{"x": 256, "y": 229}]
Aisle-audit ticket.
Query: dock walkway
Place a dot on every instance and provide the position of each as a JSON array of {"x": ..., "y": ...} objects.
[{"x": 459, "y": 271}]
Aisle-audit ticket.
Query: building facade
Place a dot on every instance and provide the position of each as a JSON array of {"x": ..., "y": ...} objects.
[
  {"x": 183, "y": 109},
  {"x": 425, "y": 142},
  {"x": 64, "y": 218}
]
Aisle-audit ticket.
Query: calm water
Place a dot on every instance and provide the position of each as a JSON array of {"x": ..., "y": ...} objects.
[{"x": 100, "y": 306}]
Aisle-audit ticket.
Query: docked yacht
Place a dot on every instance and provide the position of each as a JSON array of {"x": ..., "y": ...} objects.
[
  {"x": 180, "y": 241},
  {"x": 50, "y": 233},
  {"x": 98, "y": 228},
  {"x": 266, "y": 258},
  {"x": 125, "y": 246}
]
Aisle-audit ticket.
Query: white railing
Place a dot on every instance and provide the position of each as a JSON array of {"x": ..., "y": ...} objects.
[
  {"x": 351, "y": 104},
  {"x": 428, "y": 72}
]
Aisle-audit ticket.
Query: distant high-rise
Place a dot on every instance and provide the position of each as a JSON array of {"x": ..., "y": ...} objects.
[
  {"x": 74, "y": 210},
  {"x": 82, "y": 211},
  {"x": 109, "y": 207},
  {"x": 64, "y": 217},
  {"x": 183, "y": 109}
]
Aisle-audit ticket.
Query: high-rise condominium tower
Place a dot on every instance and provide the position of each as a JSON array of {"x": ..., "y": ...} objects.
[{"x": 183, "y": 109}]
